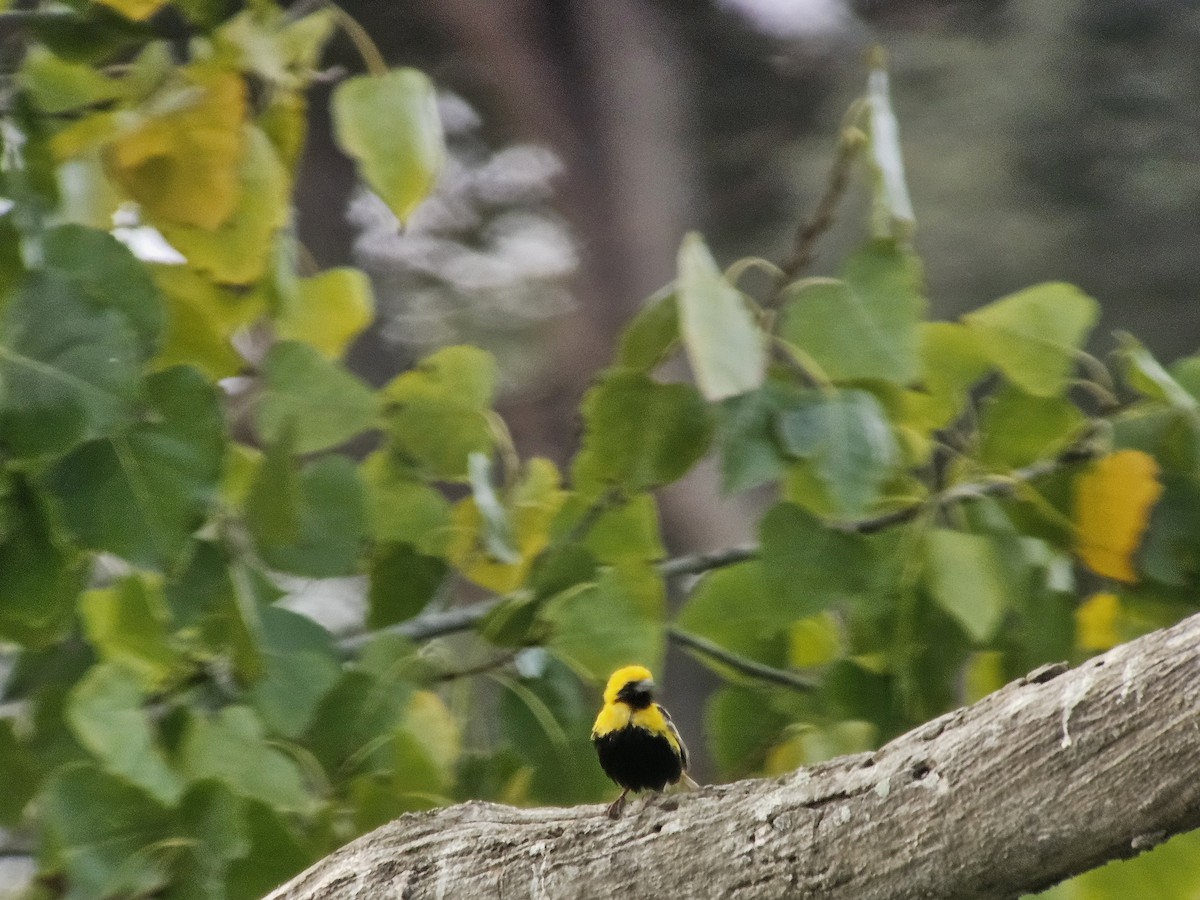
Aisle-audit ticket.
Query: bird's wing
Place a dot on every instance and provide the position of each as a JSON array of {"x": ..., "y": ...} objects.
[{"x": 683, "y": 754}]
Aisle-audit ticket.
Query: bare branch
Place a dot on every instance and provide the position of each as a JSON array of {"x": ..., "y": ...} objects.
[
  {"x": 1049, "y": 776},
  {"x": 742, "y": 664}
]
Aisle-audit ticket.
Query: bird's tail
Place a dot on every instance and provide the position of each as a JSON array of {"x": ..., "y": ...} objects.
[{"x": 689, "y": 782}]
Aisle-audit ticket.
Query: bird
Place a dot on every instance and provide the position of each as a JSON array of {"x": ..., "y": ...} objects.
[{"x": 638, "y": 744}]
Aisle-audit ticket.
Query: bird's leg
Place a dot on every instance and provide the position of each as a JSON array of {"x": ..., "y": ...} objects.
[{"x": 617, "y": 806}]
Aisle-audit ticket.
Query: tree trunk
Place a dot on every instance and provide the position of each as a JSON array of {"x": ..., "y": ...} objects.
[{"x": 1049, "y": 776}]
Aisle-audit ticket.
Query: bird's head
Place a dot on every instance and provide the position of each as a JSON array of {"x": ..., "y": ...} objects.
[{"x": 632, "y": 685}]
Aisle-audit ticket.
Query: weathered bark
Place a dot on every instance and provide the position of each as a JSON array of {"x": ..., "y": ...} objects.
[{"x": 1045, "y": 778}]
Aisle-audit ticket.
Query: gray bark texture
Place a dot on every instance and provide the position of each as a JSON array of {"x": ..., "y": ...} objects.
[{"x": 1047, "y": 777}]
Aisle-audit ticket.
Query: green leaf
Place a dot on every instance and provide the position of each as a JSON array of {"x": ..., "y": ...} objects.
[
  {"x": 547, "y": 720},
  {"x": 331, "y": 525},
  {"x": 69, "y": 367},
  {"x": 741, "y": 727},
  {"x": 273, "y": 503},
  {"x": 1033, "y": 336},
  {"x": 127, "y": 624},
  {"x": 1147, "y": 376},
  {"x": 651, "y": 334},
  {"x": 953, "y": 360},
  {"x": 141, "y": 493},
  {"x": 437, "y": 412},
  {"x": 106, "y": 272},
  {"x": 102, "y": 830},
  {"x": 1170, "y": 551},
  {"x": 848, "y": 438},
  {"x": 57, "y": 86},
  {"x": 966, "y": 575},
  {"x": 626, "y": 532},
  {"x": 639, "y": 434},
  {"x": 754, "y": 630},
  {"x": 389, "y": 125},
  {"x": 402, "y": 582},
  {"x": 18, "y": 764},
  {"x": 864, "y": 325},
  {"x": 616, "y": 621},
  {"x": 808, "y": 567},
  {"x": 1017, "y": 429},
  {"x": 402, "y": 509},
  {"x": 39, "y": 576},
  {"x": 328, "y": 405},
  {"x": 751, "y": 453},
  {"x": 299, "y": 667},
  {"x": 724, "y": 344},
  {"x": 276, "y": 854},
  {"x": 106, "y": 715},
  {"x": 231, "y": 748},
  {"x": 1170, "y": 871},
  {"x": 329, "y": 310},
  {"x": 213, "y": 833},
  {"x": 351, "y": 720}
]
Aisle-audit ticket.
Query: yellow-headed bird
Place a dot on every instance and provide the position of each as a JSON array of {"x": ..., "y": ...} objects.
[{"x": 635, "y": 738}]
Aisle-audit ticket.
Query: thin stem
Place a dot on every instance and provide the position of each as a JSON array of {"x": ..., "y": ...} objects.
[
  {"x": 358, "y": 35},
  {"x": 698, "y": 563},
  {"x": 850, "y": 143},
  {"x": 740, "y": 663}
]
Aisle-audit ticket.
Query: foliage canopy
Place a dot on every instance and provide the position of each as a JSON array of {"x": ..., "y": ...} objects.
[{"x": 955, "y": 502}]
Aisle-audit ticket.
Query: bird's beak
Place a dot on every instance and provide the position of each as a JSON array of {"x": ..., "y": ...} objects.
[{"x": 646, "y": 684}]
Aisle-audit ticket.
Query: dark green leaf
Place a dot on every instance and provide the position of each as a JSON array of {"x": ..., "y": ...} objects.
[
  {"x": 324, "y": 402},
  {"x": 331, "y": 523},
  {"x": 273, "y": 503},
  {"x": 651, "y": 334},
  {"x": 299, "y": 667},
  {"x": 403, "y": 582},
  {"x": 1170, "y": 551},
  {"x": 141, "y": 493},
  {"x": 69, "y": 368},
  {"x": 346, "y": 732},
  {"x": 848, "y": 438},
  {"x": 106, "y": 272},
  {"x": 212, "y": 825},
  {"x": 18, "y": 765},
  {"x": 276, "y": 854},
  {"x": 102, "y": 830},
  {"x": 808, "y": 567},
  {"x": 741, "y": 726},
  {"x": 746, "y": 432},
  {"x": 39, "y": 576},
  {"x": 639, "y": 433}
]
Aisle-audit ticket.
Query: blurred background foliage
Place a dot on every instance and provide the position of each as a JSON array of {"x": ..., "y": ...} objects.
[{"x": 343, "y": 454}]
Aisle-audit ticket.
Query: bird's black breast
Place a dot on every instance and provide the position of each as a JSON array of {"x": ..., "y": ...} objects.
[{"x": 637, "y": 759}]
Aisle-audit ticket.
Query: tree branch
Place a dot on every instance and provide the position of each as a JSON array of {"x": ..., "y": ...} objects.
[
  {"x": 1047, "y": 777},
  {"x": 738, "y": 663}
]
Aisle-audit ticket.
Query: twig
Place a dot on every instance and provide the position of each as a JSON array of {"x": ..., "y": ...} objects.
[
  {"x": 696, "y": 563},
  {"x": 432, "y": 625},
  {"x": 479, "y": 668},
  {"x": 851, "y": 141},
  {"x": 740, "y": 663}
]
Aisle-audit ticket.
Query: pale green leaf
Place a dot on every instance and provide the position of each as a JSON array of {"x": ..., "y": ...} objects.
[{"x": 724, "y": 344}]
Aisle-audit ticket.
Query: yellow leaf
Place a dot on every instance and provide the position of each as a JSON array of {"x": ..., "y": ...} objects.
[
  {"x": 182, "y": 165},
  {"x": 1113, "y": 500},
  {"x": 137, "y": 10},
  {"x": 1096, "y": 622},
  {"x": 330, "y": 309},
  {"x": 237, "y": 251},
  {"x": 201, "y": 319},
  {"x": 534, "y": 504}
]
